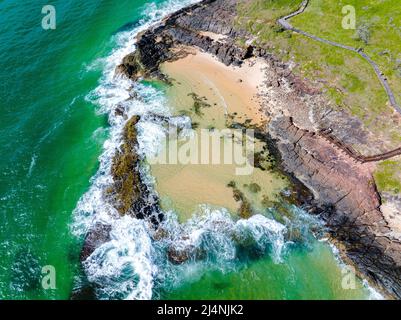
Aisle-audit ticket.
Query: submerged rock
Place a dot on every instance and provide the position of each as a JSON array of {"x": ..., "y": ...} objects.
[
  {"x": 124, "y": 170},
  {"x": 344, "y": 192},
  {"x": 184, "y": 28},
  {"x": 245, "y": 210},
  {"x": 128, "y": 193},
  {"x": 97, "y": 236},
  {"x": 179, "y": 256},
  {"x": 349, "y": 200}
]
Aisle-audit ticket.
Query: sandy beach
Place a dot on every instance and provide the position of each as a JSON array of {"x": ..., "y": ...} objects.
[
  {"x": 231, "y": 93},
  {"x": 233, "y": 88}
]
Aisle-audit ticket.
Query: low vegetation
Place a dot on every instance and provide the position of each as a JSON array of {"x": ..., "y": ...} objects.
[
  {"x": 347, "y": 79},
  {"x": 388, "y": 176}
]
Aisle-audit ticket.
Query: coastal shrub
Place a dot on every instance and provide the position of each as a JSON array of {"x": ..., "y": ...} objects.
[
  {"x": 387, "y": 176},
  {"x": 363, "y": 32},
  {"x": 377, "y": 29}
]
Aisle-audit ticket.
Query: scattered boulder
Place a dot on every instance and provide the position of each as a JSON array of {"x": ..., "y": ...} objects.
[{"x": 97, "y": 236}]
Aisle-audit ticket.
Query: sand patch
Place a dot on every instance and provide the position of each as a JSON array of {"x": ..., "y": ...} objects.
[
  {"x": 227, "y": 95},
  {"x": 235, "y": 89},
  {"x": 213, "y": 36},
  {"x": 392, "y": 215}
]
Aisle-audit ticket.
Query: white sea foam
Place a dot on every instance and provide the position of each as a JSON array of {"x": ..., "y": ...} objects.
[
  {"x": 373, "y": 293},
  {"x": 131, "y": 263},
  {"x": 32, "y": 164},
  {"x": 213, "y": 240},
  {"x": 264, "y": 232},
  {"x": 111, "y": 92},
  {"x": 123, "y": 267},
  {"x": 150, "y": 138},
  {"x": 129, "y": 236}
]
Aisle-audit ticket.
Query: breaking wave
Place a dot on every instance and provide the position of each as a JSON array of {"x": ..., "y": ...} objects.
[
  {"x": 113, "y": 92},
  {"x": 132, "y": 265}
]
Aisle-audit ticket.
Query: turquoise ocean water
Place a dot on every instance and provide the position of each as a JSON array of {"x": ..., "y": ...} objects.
[{"x": 56, "y": 89}]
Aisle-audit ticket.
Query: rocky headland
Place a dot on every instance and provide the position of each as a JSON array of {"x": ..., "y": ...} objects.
[{"x": 314, "y": 142}]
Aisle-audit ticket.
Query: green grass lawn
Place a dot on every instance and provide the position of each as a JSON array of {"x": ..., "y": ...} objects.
[
  {"x": 377, "y": 22},
  {"x": 388, "y": 176},
  {"x": 347, "y": 79}
]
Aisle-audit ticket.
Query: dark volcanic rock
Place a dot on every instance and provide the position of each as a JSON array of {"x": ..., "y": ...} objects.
[
  {"x": 128, "y": 193},
  {"x": 343, "y": 189},
  {"x": 97, "y": 236},
  {"x": 184, "y": 28},
  {"x": 346, "y": 191},
  {"x": 179, "y": 256}
]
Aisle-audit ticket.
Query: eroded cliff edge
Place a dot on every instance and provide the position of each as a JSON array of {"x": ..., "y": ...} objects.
[{"x": 344, "y": 189}]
